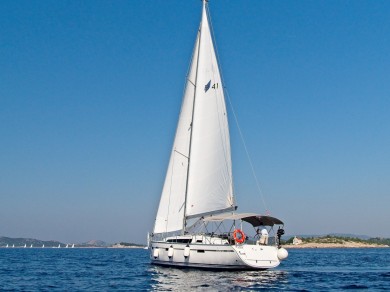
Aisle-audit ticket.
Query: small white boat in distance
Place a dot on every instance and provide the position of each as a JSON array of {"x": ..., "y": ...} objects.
[
  {"x": 31, "y": 246},
  {"x": 25, "y": 245},
  {"x": 43, "y": 245},
  {"x": 73, "y": 245},
  {"x": 13, "y": 245},
  {"x": 196, "y": 222},
  {"x": 7, "y": 245},
  {"x": 66, "y": 246},
  {"x": 59, "y": 246}
]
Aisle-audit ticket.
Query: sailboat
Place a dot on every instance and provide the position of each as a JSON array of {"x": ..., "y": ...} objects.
[{"x": 196, "y": 223}]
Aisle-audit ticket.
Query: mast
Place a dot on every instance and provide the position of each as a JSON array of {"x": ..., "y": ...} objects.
[{"x": 192, "y": 121}]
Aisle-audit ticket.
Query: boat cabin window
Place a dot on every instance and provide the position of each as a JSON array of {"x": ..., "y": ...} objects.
[{"x": 180, "y": 240}]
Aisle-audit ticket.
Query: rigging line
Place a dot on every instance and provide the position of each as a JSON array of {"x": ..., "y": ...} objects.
[
  {"x": 234, "y": 114},
  {"x": 246, "y": 151},
  {"x": 181, "y": 154}
]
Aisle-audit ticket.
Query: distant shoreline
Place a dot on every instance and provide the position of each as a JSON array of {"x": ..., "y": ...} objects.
[
  {"x": 347, "y": 244},
  {"x": 125, "y": 246},
  {"x": 76, "y": 247}
]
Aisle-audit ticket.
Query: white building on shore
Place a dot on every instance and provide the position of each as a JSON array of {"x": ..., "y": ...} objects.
[{"x": 297, "y": 240}]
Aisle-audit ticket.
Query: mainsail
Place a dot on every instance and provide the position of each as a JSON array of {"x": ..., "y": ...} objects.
[{"x": 199, "y": 174}]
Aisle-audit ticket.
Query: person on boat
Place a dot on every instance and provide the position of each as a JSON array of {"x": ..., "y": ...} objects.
[{"x": 264, "y": 236}]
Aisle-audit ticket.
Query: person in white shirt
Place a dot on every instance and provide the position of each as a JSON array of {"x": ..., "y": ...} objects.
[{"x": 264, "y": 236}]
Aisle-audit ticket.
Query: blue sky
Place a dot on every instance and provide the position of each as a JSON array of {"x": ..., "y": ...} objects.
[{"x": 90, "y": 93}]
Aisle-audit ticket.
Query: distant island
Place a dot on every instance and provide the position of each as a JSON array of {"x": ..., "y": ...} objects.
[
  {"x": 99, "y": 243},
  {"x": 29, "y": 242},
  {"x": 9, "y": 242},
  {"x": 126, "y": 245},
  {"x": 331, "y": 241}
]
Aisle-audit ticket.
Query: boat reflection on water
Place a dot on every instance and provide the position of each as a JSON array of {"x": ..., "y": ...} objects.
[{"x": 174, "y": 279}]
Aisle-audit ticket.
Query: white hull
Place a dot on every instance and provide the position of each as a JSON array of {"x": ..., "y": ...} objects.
[{"x": 215, "y": 256}]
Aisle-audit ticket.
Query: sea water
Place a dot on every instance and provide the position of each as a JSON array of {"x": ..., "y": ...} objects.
[{"x": 51, "y": 269}]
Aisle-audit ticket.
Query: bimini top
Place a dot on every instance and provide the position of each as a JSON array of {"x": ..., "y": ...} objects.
[{"x": 252, "y": 218}]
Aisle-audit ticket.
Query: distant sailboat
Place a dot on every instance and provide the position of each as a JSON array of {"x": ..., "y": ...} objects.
[
  {"x": 31, "y": 246},
  {"x": 13, "y": 245},
  {"x": 198, "y": 197},
  {"x": 59, "y": 246},
  {"x": 73, "y": 245},
  {"x": 7, "y": 245},
  {"x": 66, "y": 246},
  {"x": 25, "y": 245},
  {"x": 43, "y": 245}
]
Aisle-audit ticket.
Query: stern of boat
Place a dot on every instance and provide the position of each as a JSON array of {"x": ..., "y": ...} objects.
[{"x": 260, "y": 256}]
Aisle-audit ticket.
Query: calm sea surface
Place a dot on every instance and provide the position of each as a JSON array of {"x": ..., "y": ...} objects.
[{"x": 129, "y": 270}]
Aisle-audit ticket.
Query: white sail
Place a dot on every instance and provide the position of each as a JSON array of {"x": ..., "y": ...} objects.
[
  {"x": 171, "y": 209},
  {"x": 200, "y": 161},
  {"x": 210, "y": 186}
]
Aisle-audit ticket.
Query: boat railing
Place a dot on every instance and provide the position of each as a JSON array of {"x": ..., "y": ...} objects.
[{"x": 209, "y": 238}]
